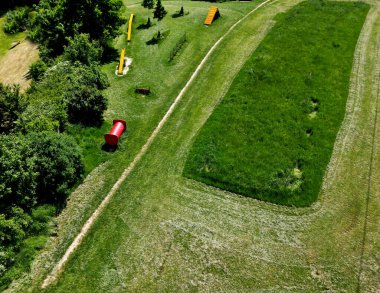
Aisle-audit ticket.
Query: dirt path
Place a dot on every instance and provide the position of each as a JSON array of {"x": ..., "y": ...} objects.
[
  {"x": 78, "y": 239},
  {"x": 15, "y": 64}
]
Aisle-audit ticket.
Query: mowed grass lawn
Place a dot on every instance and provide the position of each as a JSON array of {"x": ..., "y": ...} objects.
[
  {"x": 272, "y": 135},
  {"x": 151, "y": 69}
]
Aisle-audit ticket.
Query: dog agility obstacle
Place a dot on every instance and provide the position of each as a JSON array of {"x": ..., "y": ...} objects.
[
  {"x": 212, "y": 15},
  {"x": 112, "y": 138},
  {"x": 130, "y": 28}
]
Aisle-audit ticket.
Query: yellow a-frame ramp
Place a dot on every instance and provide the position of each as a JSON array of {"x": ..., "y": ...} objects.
[{"x": 212, "y": 15}]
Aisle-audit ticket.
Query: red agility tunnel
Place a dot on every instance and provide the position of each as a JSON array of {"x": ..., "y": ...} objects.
[{"x": 119, "y": 126}]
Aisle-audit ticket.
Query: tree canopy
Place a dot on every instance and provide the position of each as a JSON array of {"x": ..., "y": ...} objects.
[
  {"x": 12, "y": 103},
  {"x": 57, "y": 20}
]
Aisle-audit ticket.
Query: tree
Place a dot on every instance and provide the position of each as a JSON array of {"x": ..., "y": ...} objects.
[
  {"x": 12, "y": 104},
  {"x": 58, "y": 162},
  {"x": 17, "y": 20},
  {"x": 37, "y": 70},
  {"x": 159, "y": 13},
  {"x": 83, "y": 50},
  {"x": 149, "y": 4},
  {"x": 56, "y": 20},
  {"x": 18, "y": 178},
  {"x": 85, "y": 105}
]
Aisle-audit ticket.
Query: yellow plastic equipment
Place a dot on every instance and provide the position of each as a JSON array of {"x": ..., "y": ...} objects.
[
  {"x": 121, "y": 64},
  {"x": 211, "y": 15},
  {"x": 130, "y": 28}
]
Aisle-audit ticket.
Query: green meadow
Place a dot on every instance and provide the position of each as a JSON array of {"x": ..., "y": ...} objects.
[{"x": 272, "y": 135}]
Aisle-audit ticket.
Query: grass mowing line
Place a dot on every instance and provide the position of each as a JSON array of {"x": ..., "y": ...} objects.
[
  {"x": 370, "y": 172},
  {"x": 355, "y": 97},
  {"x": 78, "y": 239}
]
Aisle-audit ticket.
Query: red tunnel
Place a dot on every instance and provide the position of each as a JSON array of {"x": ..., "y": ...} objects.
[{"x": 119, "y": 126}]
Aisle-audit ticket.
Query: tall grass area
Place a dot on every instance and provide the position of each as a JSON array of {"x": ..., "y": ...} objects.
[{"x": 272, "y": 135}]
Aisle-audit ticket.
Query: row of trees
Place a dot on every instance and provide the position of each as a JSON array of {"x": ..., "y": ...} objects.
[{"x": 39, "y": 163}]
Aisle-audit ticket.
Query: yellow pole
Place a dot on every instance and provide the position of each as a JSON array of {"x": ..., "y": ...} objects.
[
  {"x": 121, "y": 64},
  {"x": 130, "y": 28}
]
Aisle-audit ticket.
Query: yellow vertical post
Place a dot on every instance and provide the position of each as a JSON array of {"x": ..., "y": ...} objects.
[
  {"x": 121, "y": 64},
  {"x": 130, "y": 28}
]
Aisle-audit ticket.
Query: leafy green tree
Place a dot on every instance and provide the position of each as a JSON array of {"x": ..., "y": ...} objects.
[
  {"x": 83, "y": 50},
  {"x": 149, "y": 4},
  {"x": 43, "y": 115},
  {"x": 12, "y": 104},
  {"x": 17, "y": 20},
  {"x": 37, "y": 70},
  {"x": 56, "y": 20},
  {"x": 58, "y": 162},
  {"x": 85, "y": 105},
  {"x": 159, "y": 14},
  {"x": 48, "y": 98},
  {"x": 18, "y": 179}
]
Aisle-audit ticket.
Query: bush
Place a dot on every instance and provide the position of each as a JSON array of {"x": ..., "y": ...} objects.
[
  {"x": 85, "y": 105},
  {"x": 58, "y": 20},
  {"x": 17, "y": 20},
  {"x": 81, "y": 49},
  {"x": 58, "y": 162},
  {"x": 18, "y": 179},
  {"x": 12, "y": 104},
  {"x": 37, "y": 70},
  {"x": 43, "y": 115},
  {"x": 48, "y": 98}
]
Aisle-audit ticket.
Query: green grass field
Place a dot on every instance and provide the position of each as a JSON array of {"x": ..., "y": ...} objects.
[
  {"x": 151, "y": 69},
  {"x": 272, "y": 136},
  {"x": 162, "y": 232}
]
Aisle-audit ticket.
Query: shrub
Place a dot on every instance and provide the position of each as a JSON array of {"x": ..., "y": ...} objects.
[
  {"x": 37, "y": 70},
  {"x": 85, "y": 105},
  {"x": 43, "y": 115},
  {"x": 17, "y": 20},
  {"x": 49, "y": 98},
  {"x": 12, "y": 104},
  {"x": 58, "y": 162},
  {"x": 81, "y": 49},
  {"x": 177, "y": 47},
  {"x": 58, "y": 20},
  {"x": 18, "y": 179}
]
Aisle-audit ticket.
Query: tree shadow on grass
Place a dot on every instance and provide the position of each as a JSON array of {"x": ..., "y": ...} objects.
[
  {"x": 144, "y": 26},
  {"x": 179, "y": 14},
  {"x": 109, "y": 54},
  {"x": 155, "y": 40}
]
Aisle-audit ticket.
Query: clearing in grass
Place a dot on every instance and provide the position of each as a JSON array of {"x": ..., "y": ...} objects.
[{"x": 272, "y": 136}]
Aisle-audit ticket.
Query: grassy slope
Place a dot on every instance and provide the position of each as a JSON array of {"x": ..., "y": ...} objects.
[
  {"x": 165, "y": 233},
  {"x": 6, "y": 40},
  {"x": 258, "y": 135},
  {"x": 143, "y": 113},
  {"x": 151, "y": 69}
]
